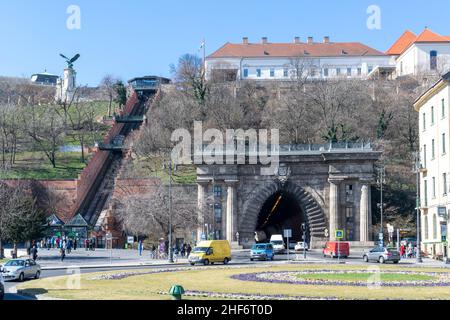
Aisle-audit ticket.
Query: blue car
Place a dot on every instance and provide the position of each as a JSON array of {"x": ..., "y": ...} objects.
[{"x": 262, "y": 251}]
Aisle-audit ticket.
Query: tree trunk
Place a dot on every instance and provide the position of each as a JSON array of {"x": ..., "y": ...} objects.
[{"x": 2, "y": 254}]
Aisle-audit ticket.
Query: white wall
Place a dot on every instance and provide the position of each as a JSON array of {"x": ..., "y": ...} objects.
[
  {"x": 279, "y": 64},
  {"x": 417, "y": 58}
]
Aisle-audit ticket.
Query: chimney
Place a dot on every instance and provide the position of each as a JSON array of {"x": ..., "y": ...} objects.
[
  {"x": 245, "y": 40},
  {"x": 264, "y": 40},
  {"x": 310, "y": 40},
  {"x": 326, "y": 39},
  {"x": 297, "y": 40}
]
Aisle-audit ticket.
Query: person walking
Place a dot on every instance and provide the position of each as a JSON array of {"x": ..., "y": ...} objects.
[
  {"x": 188, "y": 250},
  {"x": 140, "y": 247},
  {"x": 183, "y": 250},
  {"x": 34, "y": 252},
  {"x": 86, "y": 244},
  {"x": 75, "y": 244},
  {"x": 62, "y": 253}
]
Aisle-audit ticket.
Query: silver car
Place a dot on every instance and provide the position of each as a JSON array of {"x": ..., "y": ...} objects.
[
  {"x": 382, "y": 255},
  {"x": 21, "y": 269}
]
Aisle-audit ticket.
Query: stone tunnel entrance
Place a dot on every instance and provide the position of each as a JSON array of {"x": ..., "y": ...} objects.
[{"x": 281, "y": 211}]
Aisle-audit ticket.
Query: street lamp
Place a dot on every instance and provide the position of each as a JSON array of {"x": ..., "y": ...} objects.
[
  {"x": 170, "y": 213},
  {"x": 381, "y": 181},
  {"x": 417, "y": 167}
]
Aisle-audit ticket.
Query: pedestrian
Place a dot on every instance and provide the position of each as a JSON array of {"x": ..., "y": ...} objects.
[
  {"x": 63, "y": 253},
  {"x": 86, "y": 244},
  {"x": 183, "y": 250},
  {"x": 34, "y": 252},
  {"x": 140, "y": 247},
  {"x": 402, "y": 251},
  {"x": 75, "y": 243},
  {"x": 188, "y": 250}
]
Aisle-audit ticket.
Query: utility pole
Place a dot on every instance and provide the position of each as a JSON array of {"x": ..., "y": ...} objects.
[
  {"x": 170, "y": 213},
  {"x": 381, "y": 181},
  {"x": 417, "y": 167}
]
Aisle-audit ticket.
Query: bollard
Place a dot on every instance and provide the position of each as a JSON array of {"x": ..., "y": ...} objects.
[{"x": 176, "y": 291}]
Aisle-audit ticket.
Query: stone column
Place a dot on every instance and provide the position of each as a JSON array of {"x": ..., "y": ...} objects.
[
  {"x": 334, "y": 207},
  {"x": 201, "y": 208},
  {"x": 231, "y": 210},
  {"x": 364, "y": 208}
]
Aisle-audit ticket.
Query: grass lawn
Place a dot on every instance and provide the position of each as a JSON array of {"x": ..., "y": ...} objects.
[
  {"x": 212, "y": 279},
  {"x": 35, "y": 165}
]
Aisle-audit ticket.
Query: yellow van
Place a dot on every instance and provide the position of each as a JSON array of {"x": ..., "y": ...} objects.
[{"x": 207, "y": 252}]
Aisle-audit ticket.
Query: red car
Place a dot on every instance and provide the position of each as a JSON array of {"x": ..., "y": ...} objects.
[{"x": 332, "y": 250}]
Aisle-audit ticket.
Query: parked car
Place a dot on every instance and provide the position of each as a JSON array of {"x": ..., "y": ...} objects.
[
  {"x": 21, "y": 269},
  {"x": 382, "y": 254},
  {"x": 300, "y": 246},
  {"x": 334, "y": 249},
  {"x": 2, "y": 285},
  {"x": 278, "y": 244},
  {"x": 207, "y": 252},
  {"x": 262, "y": 251}
]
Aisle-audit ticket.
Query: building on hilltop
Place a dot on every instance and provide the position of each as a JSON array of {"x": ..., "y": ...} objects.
[
  {"x": 434, "y": 131},
  {"x": 285, "y": 61},
  {"x": 425, "y": 53},
  {"x": 45, "y": 79}
]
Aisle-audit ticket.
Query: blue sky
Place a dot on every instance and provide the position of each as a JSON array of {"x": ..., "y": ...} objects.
[{"x": 142, "y": 37}]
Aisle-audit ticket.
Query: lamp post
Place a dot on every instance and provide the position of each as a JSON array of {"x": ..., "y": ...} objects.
[
  {"x": 381, "y": 181},
  {"x": 417, "y": 167},
  {"x": 170, "y": 213}
]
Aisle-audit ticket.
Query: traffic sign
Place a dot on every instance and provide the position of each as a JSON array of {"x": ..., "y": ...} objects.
[
  {"x": 287, "y": 233},
  {"x": 380, "y": 236},
  {"x": 339, "y": 234},
  {"x": 130, "y": 239}
]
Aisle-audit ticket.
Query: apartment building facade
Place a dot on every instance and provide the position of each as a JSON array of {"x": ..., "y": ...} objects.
[{"x": 434, "y": 136}]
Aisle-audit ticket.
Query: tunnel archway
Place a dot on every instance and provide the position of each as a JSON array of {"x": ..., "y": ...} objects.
[
  {"x": 311, "y": 211},
  {"x": 280, "y": 211}
]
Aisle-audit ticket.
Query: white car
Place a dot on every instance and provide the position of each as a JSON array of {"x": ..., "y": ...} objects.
[
  {"x": 300, "y": 246},
  {"x": 21, "y": 269},
  {"x": 278, "y": 244}
]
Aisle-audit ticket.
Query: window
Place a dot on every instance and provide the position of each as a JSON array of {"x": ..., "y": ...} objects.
[
  {"x": 272, "y": 72},
  {"x": 444, "y": 183},
  {"x": 325, "y": 72},
  {"x": 370, "y": 69},
  {"x": 443, "y": 109},
  {"x": 424, "y": 156},
  {"x": 349, "y": 214},
  {"x": 425, "y": 226},
  {"x": 258, "y": 73},
  {"x": 425, "y": 193},
  {"x": 424, "y": 121},
  {"x": 218, "y": 212},
  {"x": 285, "y": 72},
  {"x": 359, "y": 71},
  {"x": 432, "y": 149},
  {"x": 338, "y": 71},
  {"x": 349, "y": 192},
  {"x": 349, "y": 72},
  {"x": 218, "y": 191},
  {"x": 443, "y": 143},
  {"x": 434, "y": 227},
  {"x": 433, "y": 187},
  {"x": 432, "y": 115},
  {"x": 433, "y": 60},
  {"x": 245, "y": 73}
]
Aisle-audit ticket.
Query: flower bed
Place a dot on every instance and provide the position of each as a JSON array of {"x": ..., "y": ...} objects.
[{"x": 295, "y": 277}]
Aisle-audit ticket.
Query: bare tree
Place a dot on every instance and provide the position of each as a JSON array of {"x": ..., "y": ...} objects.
[
  {"x": 108, "y": 86},
  {"x": 148, "y": 215}
]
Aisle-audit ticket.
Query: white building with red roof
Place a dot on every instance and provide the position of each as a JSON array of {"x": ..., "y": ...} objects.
[
  {"x": 283, "y": 61},
  {"x": 421, "y": 54}
]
